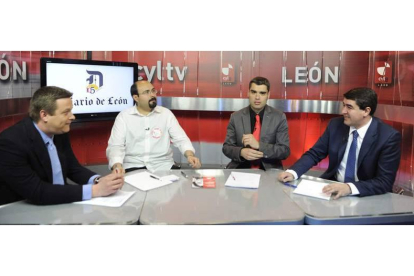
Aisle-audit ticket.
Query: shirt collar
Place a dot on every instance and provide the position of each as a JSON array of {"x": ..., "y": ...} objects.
[
  {"x": 253, "y": 113},
  {"x": 135, "y": 111},
  {"x": 361, "y": 131},
  {"x": 46, "y": 139}
]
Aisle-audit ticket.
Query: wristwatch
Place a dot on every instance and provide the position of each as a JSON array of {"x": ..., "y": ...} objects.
[{"x": 96, "y": 180}]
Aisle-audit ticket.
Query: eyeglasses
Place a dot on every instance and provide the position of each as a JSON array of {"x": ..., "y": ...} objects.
[{"x": 147, "y": 92}]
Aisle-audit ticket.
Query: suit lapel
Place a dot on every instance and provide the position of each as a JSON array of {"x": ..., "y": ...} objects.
[
  {"x": 368, "y": 142},
  {"x": 344, "y": 135},
  {"x": 266, "y": 122},
  {"x": 39, "y": 149},
  {"x": 246, "y": 121}
]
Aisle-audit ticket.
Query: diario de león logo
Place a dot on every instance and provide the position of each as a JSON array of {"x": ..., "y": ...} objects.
[
  {"x": 383, "y": 73},
  {"x": 94, "y": 81},
  {"x": 228, "y": 75}
]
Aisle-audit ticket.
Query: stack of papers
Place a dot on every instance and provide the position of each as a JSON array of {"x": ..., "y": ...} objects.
[
  {"x": 146, "y": 181},
  {"x": 115, "y": 200},
  {"x": 243, "y": 180},
  {"x": 312, "y": 189}
]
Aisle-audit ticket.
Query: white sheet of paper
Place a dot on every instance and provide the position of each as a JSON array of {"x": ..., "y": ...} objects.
[
  {"x": 243, "y": 180},
  {"x": 145, "y": 182},
  {"x": 114, "y": 200},
  {"x": 312, "y": 189}
]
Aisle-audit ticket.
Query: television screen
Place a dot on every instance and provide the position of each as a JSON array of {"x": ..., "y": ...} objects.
[{"x": 101, "y": 89}]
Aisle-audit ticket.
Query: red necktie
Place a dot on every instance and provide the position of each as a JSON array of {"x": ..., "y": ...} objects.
[{"x": 256, "y": 135}]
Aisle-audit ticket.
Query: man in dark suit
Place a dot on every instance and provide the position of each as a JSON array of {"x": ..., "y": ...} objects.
[
  {"x": 364, "y": 153},
  {"x": 257, "y": 135},
  {"x": 36, "y": 156}
]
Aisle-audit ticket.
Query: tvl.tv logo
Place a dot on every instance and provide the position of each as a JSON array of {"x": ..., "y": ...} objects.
[
  {"x": 170, "y": 71},
  {"x": 94, "y": 81}
]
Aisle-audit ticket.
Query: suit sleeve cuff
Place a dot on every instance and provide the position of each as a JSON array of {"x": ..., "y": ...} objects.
[
  {"x": 92, "y": 178},
  {"x": 87, "y": 192},
  {"x": 295, "y": 175},
  {"x": 241, "y": 158},
  {"x": 354, "y": 189}
]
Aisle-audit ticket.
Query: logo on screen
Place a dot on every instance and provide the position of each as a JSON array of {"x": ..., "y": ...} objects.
[
  {"x": 383, "y": 73},
  {"x": 228, "y": 75},
  {"x": 94, "y": 81}
]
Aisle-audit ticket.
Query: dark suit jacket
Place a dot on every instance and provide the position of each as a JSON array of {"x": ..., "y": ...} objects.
[
  {"x": 274, "y": 137},
  {"x": 26, "y": 170},
  {"x": 378, "y": 159}
]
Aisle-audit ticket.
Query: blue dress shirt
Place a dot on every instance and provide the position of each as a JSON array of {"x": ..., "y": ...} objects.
[{"x": 57, "y": 167}]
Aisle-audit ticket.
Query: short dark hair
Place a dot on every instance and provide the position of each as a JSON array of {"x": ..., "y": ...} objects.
[
  {"x": 364, "y": 97},
  {"x": 260, "y": 81},
  {"x": 45, "y": 99},
  {"x": 134, "y": 90}
]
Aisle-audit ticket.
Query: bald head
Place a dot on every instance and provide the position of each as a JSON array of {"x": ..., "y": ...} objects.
[{"x": 140, "y": 86}]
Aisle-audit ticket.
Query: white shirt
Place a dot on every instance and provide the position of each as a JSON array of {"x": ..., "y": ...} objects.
[
  {"x": 138, "y": 140},
  {"x": 340, "y": 175}
]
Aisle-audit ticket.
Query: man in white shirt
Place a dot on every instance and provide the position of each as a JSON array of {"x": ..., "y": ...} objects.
[
  {"x": 364, "y": 153},
  {"x": 142, "y": 135}
]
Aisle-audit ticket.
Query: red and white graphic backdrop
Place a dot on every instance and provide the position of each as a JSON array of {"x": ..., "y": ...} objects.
[{"x": 214, "y": 74}]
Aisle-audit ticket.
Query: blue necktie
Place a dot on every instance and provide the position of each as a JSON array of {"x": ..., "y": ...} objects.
[
  {"x": 56, "y": 166},
  {"x": 350, "y": 163}
]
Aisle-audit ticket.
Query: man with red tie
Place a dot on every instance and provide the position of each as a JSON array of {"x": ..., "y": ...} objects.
[{"x": 257, "y": 135}]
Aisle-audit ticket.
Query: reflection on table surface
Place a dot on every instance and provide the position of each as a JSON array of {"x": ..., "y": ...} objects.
[
  {"x": 180, "y": 203},
  {"x": 23, "y": 212},
  {"x": 361, "y": 209}
]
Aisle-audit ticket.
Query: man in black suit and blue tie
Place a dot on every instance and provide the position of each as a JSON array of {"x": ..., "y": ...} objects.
[
  {"x": 36, "y": 156},
  {"x": 364, "y": 153}
]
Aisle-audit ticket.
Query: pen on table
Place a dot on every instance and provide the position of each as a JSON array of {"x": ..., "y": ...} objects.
[
  {"x": 290, "y": 185},
  {"x": 183, "y": 173},
  {"x": 155, "y": 177}
]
